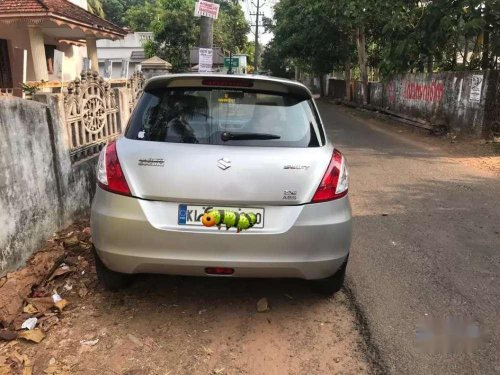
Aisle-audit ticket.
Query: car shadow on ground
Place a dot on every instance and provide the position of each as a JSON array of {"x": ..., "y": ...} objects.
[{"x": 201, "y": 293}]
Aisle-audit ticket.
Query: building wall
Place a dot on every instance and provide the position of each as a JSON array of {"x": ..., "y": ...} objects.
[
  {"x": 72, "y": 61},
  {"x": 132, "y": 40},
  {"x": 116, "y": 54},
  {"x": 121, "y": 49},
  {"x": 18, "y": 39},
  {"x": 117, "y": 69}
]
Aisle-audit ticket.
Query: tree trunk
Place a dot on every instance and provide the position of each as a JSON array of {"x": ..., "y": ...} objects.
[
  {"x": 476, "y": 50},
  {"x": 362, "y": 61},
  {"x": 429, "y": 64},
  {"x": 347, "y": 76},
  {"x": 321, "y": 85},
  {"x": 420, "y": 64},
  {"x": 454, "y": 58},
  {"x": 466, "y": 51},
  {"x": 485, "y": 58},
  {"x": 485, "y": 55}
]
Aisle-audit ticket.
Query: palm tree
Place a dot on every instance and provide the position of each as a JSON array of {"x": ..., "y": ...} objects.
[{"x": 95, "y": 7}]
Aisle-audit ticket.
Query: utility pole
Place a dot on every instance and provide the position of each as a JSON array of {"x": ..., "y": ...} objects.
[
  {"x": 257, "y": 14},
  {"x": 206, "y": 31}
]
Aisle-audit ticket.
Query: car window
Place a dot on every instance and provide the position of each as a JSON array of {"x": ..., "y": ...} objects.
[{"x": 204, "y": 115}]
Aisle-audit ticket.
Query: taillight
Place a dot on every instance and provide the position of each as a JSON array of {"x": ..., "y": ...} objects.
[
  {"x": 110, "y": 175},
  {"x": 227, "y": 82},
  {"x": 219, "y": 270},
  {"x": 336, "y": 180}
]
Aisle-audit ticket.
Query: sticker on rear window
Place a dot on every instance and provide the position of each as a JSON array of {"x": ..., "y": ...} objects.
[{"x": 226, "y": 99}]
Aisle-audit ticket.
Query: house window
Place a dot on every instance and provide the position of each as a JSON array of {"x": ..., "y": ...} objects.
[{"x": 49, "y": 55}]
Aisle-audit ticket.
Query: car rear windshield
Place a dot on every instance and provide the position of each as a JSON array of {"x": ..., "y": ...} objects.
[{"x": 225, "y": 117}]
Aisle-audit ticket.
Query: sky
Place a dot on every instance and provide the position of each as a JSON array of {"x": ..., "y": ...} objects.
[{"x": 267, "y": 9}]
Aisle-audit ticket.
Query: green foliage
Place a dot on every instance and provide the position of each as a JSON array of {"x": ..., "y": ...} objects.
[
  {"x": 33, "y": 87},
  {"x": 324, "y": 45},
  {"x": 249, "y": 50},
  {"x": 115, "y": 10},
  {"x": 95, "y": 7},
  {"x": 176, "y": 28},
  {"x": 272, "y": 61},
  {"x": 401, "y": 35},
  {"x": 143, "y": 17},
  {"x": 231, "y": 28}
]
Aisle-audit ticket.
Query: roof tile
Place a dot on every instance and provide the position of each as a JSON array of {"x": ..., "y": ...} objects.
[{"x": 62, "y": 8}]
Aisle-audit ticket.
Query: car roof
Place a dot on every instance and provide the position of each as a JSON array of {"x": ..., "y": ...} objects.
[{"x": 259, "y": 82}]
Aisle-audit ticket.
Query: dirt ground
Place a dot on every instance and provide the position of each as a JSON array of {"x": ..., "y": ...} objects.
[{"x": 177, "y": 325}]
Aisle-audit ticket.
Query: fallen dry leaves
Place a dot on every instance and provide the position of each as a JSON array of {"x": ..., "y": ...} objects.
[
  {"x": 35, "y": 335},
  {"x": 30, "y": 295}
]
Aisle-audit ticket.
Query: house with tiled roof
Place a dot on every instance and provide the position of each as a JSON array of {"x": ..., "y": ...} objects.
[{"x": 49, "y": 40}]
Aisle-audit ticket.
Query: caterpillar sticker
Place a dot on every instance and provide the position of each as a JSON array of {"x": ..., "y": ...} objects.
[{"x": 240, "y": 220}]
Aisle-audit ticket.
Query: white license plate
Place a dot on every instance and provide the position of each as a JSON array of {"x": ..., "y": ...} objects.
[{"x": 191, "y": 215}]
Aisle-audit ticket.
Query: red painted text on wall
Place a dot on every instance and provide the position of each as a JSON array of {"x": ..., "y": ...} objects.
[{"x": 431, "y": 92}]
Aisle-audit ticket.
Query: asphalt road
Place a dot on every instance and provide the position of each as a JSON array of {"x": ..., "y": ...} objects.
[{"x": 426, "y": 246}]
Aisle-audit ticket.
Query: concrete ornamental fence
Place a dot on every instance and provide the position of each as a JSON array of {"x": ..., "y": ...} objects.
[
  {"x": 463, "y": 102},
  {"x": 48, "y": 149}
]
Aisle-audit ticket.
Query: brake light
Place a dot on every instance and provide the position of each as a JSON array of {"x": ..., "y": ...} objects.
[
  {"x": 219, "y": 270},
  {"x": 227, "y": 82},
  {"x": 336, "y": 180},
  {"x": 110, "y": 175}
]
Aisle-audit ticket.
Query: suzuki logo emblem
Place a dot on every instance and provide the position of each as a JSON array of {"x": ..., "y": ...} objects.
[{"x": 224, "y": 163}]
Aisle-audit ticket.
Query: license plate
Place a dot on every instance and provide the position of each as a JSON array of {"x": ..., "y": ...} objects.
[{"x": 191, "y": 215}]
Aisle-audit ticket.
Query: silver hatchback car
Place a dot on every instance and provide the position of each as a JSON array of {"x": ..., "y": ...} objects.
[{"x": 221, "y": 175}]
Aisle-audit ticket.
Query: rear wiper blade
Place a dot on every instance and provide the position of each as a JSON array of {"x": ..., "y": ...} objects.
[{"x": 227, "y": 136}]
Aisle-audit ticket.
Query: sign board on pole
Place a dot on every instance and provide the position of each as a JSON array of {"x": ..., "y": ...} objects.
[
  {"x": 206, "y": 9},
  {"x": 475, "y": 88},
  {"x": 235, "y": 62},
  {"x": 205, "y": 56}
]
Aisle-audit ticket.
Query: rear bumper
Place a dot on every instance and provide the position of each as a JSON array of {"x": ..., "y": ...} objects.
[{"x": 314, "y": 247}]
